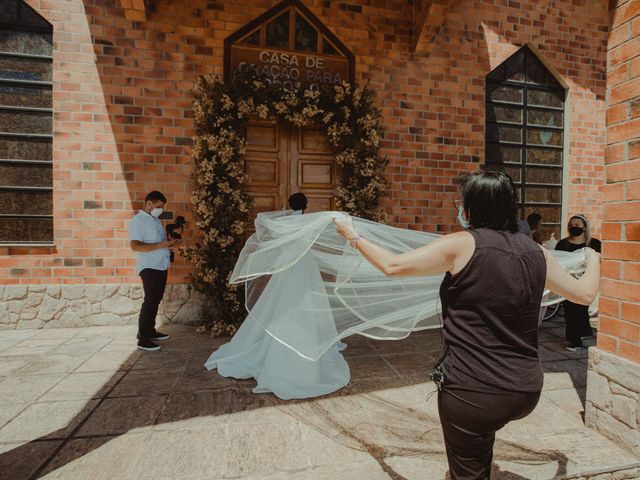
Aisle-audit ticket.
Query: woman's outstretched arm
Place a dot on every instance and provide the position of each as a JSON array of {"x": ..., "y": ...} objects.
[
  {"x": 582, "y": 290},
  {"x": 446, "y": 254}
]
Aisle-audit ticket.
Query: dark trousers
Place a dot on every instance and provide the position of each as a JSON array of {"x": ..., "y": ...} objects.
[
  {"x": 470, "y": 418},
  {"x": 576, "y": 321},
  {"x": 153, "y": 283}
]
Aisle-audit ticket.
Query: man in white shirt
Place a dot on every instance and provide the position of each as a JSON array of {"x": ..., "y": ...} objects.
[{"x": 148, "y": 239}]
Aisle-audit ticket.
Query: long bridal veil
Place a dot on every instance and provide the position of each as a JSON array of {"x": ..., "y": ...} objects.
[{"x": 338, "y": 293}]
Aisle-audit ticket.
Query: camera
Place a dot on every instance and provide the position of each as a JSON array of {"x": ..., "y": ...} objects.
[
  {"x": 174, "y": 232},
  {"x": 172, "y": 229}
]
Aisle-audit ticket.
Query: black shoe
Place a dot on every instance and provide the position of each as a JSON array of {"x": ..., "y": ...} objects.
[
  {"x": 156, "y": 336},
  {"x": 159, "y": 336},
  {"x": 575, "y": 347},
  {"x": 148, "y": 346}
]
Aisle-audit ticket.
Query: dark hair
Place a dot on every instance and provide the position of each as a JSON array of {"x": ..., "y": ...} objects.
[
  {"x": 534, "y": 219},
  {"x": 298, "y": 201},
  {"x": 489, "y": 198},
  {"x": 155, "y": 196}
]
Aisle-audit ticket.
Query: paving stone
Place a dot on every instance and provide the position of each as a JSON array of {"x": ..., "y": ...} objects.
[
  {"x": 181, "y": 454},
  {"x": 195, "y": 410},
  {"x": 32, "y": 347},
  {"x": 8, "y": 411},
  {"x": 576, "y": 370},
  {"x": 19, "y": 461},
  {"x": 48, "y": 420},
  {"x": 26, "y": 389},
  {"x": 109, "y": 361},
  {"x": 399, "y": 346},
  {"x": 369, "y": 469},
  {"x": 80, "y": 345},
  {"x": 56, "y": 333},
  {"x": 570, "y": 400},
  {"x": 205, "y": 380},
  {"x": 358, "y": 346},
  {"x": 412, "y": 363},
  {"x": 11, "y": 364},
  {"x": 101, "y": 458},
  {"x": 164, "y": 361},
  {"x": 145, "y": 382},
  {"x": 121, "y": 415},
  {"x": 370, "y": 367},
  {"x": 53, "y": 364},
  {"x": 264, "y": 448},
  {"x": 110, "y": 331},
  {"x": 81, "y": 386}
]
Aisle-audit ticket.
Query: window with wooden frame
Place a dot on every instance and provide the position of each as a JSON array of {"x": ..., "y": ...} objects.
[
  {"x": 290, "y": 30},
  {"x": 525, "y": 134},
  {"x": 26, "y": 125},
  {"x": 288, "y": 44}
]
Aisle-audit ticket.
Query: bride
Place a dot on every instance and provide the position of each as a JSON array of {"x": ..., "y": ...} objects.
[
  {"x": 277, "y": 368},
  {"x": 307, "y": 288}
]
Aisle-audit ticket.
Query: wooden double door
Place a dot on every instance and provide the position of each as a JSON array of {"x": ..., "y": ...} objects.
[{"x": 282, "y": 159}]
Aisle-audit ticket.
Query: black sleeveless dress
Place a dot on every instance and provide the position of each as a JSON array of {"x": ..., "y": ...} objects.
[
  {"x": 491, "y": 309},
  {"x": 492, "y": 371}
]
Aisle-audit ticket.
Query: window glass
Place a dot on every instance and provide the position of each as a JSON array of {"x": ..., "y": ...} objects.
[
  {"x": 278, "y": 31},
  {"x": 26, "y": 176},
  {"x": 252, "y": 39},
  {"x": 306, "y": 37},
  {"x": 531, "y": 152}
]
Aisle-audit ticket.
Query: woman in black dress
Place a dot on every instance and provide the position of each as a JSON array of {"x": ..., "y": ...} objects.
[
  {"x": 494, "y": 280},
  {"x": 577, "y": 316}
]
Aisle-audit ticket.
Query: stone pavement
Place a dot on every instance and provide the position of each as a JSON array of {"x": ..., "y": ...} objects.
[{"x": 85, "y": 404}]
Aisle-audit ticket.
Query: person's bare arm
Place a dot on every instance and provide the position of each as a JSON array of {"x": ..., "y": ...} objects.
[
  {"x": 138, "y": 246},
  {"x": 448, "y": 253},
  {"x": 577, "y": 290}
]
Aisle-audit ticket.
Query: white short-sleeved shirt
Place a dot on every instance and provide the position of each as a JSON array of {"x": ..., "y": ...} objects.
[{"x": 148, "y": 229}]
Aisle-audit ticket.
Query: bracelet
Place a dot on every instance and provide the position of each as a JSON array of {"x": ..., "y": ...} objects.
[{"x": 354, "y": 240}]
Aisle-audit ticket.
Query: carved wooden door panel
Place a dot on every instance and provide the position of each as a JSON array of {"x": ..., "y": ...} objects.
[
  {"x": 312, "y": 168},
  {"x": 265, "y": 163},
  {"x": 281, "y": 159}
]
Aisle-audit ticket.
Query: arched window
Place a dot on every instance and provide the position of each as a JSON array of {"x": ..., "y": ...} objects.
[
  {"x": 26, "y": 126},
  {"x": 525, "y": 133}
]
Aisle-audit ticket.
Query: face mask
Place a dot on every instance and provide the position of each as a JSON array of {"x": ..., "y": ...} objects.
[
  {"x": 156, "y": 212},
  {"x": 576, "y": 231},
  {"x": 463, "y": 221}
]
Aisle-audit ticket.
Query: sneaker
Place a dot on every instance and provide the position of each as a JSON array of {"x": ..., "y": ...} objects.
[
  {"x": 574, "y": 347},
  {"x": 159, "y": 336},
  {"x": 148, "y": 346}
]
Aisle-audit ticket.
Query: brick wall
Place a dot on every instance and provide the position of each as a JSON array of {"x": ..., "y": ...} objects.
[
  {"x": 620, "y": 305},
  {"x": 123, "y": 120}
]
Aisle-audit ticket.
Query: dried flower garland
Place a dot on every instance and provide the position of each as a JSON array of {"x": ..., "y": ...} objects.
[{"x": 223, "y": 208}]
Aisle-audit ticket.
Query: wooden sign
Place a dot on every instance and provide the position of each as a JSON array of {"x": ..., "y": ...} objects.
[{"x": 287, "y": 68}]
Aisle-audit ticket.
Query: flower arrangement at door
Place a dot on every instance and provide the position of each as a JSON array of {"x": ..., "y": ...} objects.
[{"x": 223, "y": 209}]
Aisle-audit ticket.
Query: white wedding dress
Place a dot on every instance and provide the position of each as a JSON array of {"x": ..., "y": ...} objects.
[
  {"x": 253, "y": 352},
  {"x": 307, "y": 288}
]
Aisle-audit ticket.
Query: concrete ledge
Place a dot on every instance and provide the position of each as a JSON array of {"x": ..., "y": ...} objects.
[
  {"x": 613, "y": 398},
  {"x": 50, "y": 306}
]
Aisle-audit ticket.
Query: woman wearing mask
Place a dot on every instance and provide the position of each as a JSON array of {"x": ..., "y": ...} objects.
[
  {"x": 490, "y": 373},
  {"x": 577, "y": 316}
]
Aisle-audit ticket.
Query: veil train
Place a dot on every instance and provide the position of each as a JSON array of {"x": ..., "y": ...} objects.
[{"x": 307, "y": 288}]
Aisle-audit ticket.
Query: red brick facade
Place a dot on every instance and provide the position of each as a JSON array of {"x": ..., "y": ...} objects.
[
  {"x": 620, "y": 305},
  {"x": 123, "y": 119}
]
